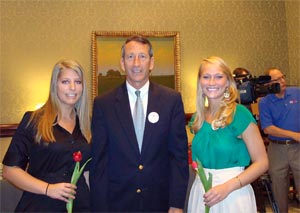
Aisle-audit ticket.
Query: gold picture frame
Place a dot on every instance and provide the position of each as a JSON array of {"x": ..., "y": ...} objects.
[{"x": 106, "y": 53}]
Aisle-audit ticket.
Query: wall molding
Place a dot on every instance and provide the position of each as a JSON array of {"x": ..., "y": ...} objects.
[{"x": 7, "y": 130}]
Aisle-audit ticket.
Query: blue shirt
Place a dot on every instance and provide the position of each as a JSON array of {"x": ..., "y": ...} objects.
[{"x": 281, "y": 112}]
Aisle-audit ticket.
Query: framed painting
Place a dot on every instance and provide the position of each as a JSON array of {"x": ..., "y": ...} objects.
[{"x": 106, "y": 54}]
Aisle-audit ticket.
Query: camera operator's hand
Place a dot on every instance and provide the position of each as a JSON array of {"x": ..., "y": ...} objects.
[
  {"x": 283, "y": 133},
  {"x": 297, "y": 136}
]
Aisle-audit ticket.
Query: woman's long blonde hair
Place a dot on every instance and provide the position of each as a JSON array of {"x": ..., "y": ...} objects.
[
  {"x": 45, "y": 118},
  {"x": 224, "y": 114}
]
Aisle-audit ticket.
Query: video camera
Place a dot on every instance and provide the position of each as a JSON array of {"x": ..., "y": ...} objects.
[{"x": 251, "y": 88}]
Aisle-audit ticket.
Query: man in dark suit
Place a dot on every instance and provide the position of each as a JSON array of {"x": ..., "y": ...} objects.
[{"x": 126, "y": 176}]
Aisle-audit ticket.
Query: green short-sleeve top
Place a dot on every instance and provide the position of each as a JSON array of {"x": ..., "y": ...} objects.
[{"x": 223, "y": 148}]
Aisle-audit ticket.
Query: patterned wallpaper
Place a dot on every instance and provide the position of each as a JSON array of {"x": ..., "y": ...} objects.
[
  {"x": 293, "y": 29},
  {"x": 35, "y": 34}
]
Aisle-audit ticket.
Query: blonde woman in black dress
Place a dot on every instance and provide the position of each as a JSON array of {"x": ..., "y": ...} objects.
[{"x": 39, "y": 159}]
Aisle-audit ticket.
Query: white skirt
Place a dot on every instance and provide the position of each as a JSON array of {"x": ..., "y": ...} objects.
[{"x": 240, "y": 200}]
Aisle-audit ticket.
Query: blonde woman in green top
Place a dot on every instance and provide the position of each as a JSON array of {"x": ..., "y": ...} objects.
[{"x": 226, "y": 141}]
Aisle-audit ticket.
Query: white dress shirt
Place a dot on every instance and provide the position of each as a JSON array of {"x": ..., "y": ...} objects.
[{"x": 132, "y": 96}]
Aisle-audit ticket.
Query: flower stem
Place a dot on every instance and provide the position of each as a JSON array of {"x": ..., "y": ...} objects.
[
  {"x": 206, "y": 182},
  {"x": 75, "y": 177}
]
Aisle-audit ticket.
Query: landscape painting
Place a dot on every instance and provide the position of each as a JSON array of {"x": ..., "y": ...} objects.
[{"x": 106, "y": 54}]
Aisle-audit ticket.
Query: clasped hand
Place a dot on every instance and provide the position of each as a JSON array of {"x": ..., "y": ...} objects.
[
  {"x": 62, "y": 191},
  {"x": 215, "y": 195}
]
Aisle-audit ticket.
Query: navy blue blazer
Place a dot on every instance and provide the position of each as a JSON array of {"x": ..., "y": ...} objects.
[{"x": 121, "y": 178}]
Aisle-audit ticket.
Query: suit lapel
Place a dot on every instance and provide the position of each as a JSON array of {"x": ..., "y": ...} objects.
[
  {"x": 154, "y": 106},
  {"x": 122, "y": 108}
]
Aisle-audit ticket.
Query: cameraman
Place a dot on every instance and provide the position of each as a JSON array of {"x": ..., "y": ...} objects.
[
  {"x": 240, "y": 73},
  {"x": 280, "y": 120},
  {"x": 241, "y": 76}
]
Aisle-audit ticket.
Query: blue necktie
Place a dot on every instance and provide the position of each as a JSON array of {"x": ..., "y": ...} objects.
[{"x": 138, "y": 119}]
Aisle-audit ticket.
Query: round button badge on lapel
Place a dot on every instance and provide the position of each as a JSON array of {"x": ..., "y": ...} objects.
[{"x": 153, "y": 117}]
